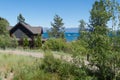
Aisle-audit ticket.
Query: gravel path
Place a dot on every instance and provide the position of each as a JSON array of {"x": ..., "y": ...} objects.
[
  {"x": 21, "y": 52},
  {"x": 33, "y": 54}
]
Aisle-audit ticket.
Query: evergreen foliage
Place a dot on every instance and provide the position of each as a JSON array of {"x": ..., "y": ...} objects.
[
  {"x": 57, "y": 30},
  {"x": 20, "y": 18},
  {"x": 82, "y": 29}
]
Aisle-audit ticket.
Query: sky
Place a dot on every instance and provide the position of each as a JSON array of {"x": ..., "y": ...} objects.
[{"x": 42, "y": 12}]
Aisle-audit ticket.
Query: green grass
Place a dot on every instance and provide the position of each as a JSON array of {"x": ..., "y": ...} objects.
[
  {"x": 23, "y": 68},
  {"x": 10, "y": 63}
]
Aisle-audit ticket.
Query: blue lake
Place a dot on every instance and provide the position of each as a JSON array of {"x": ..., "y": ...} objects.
[{"x": 68, "y": 36}]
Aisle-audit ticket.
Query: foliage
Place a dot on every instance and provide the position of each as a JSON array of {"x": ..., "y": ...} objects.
[
  {"x": 99, "y": 16},
  {"x": 54, "y": 44},
  {"x": 79, "y": 47},
  {"x": 50, "y": 64},
  {"x": 38, "y": 41},
  {"x": 3, "y": 26},
  {"x": 25, "y": 42},
  {"x": 113, "y": 7},
  {"x": 14, "y": 43},
  {"x": 5, "y": 40},
  {"x": 99, "y": 43},
  {"x": 82, "y": 29},
  {"x": 34, "y": 72},
  {"x": 11, "y": 63},
  {"x": 20, "y": 18},
  {"x": 57, "y": 30},
  {"x": 4, "y": 33},
  {"x": 65, "y": 70}
]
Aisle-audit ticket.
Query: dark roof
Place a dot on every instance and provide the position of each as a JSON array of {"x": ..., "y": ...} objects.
[{"x": 34, "y": 30}]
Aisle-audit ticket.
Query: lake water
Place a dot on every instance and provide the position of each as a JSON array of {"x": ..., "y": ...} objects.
[{"x": 68, "y": 36}]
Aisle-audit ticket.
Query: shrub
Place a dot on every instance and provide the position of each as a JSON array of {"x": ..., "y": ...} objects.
[
  {"x": 13, "y": 43},
  {"x": 78, "y": 46},
  {"x": 50, "y": 64},
  {"x": 5, "y": 41},
  {"x": 55, "y": 44},
  {"x": 38, "y": 42},
  {"x": 25, "y": 42},
  {"x": 65, "y": 70}
]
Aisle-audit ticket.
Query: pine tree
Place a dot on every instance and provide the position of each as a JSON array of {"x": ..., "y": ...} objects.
[
  {"x": 82, "y": 29},
  {"x": 20, "y": 18},
  {"x": 57, "y": 30}
]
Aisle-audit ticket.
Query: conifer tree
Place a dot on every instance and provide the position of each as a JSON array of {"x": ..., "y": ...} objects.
[
  {"x": 57, "y": 30},
  {"x": 82, "y": 29}
]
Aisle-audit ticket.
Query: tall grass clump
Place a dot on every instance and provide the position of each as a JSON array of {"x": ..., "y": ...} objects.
[{"x": 11, "y": 63}]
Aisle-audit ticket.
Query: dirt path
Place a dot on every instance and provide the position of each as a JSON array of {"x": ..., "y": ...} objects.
[
  {"x": 33, "y": 54},
  {"x": 21, "y": 52}
]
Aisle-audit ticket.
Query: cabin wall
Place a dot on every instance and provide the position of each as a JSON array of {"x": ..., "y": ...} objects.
[{"x": 19, "y": 34}]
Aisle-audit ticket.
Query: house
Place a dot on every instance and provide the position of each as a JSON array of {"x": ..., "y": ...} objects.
[{"x": 23, "y": 30}]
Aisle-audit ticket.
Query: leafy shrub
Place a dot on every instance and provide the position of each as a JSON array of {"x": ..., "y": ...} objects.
[
  {"x": 65, "y": 70},
  {"x": 55, "y": 44},
  {"x": 78, "y": 46},
  {"x": 32, "y": 73},
  {"x": 5, "y": 41},
  {"x": 25, "y": 42},
  {"x": 50, "y": 64},
  {"x": 38, "y": 42},
  {"x": 13, "y": 43}
]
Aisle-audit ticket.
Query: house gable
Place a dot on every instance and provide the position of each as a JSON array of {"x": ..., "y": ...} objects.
[
  {"x": 19, "y": 34},
  {"x": 23, "y": 29}
]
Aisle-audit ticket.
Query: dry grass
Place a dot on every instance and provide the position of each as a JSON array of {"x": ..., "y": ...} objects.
[{"x": 9, "y": 63}]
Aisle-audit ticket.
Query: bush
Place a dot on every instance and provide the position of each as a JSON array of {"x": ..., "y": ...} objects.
[
  {"x": 25, "y": 42},
  {"x": 13, "y": 43},
  {"x": 55, "y": 44},
  {"x": 5, "y": 41},
  {"x": 50, "y": 64},
  {"x": 38, "y": 42},
  {"x": 78, "y": 46},
  {"x": 65, "y": 70},
  {"x": 32, "y": 73}
]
